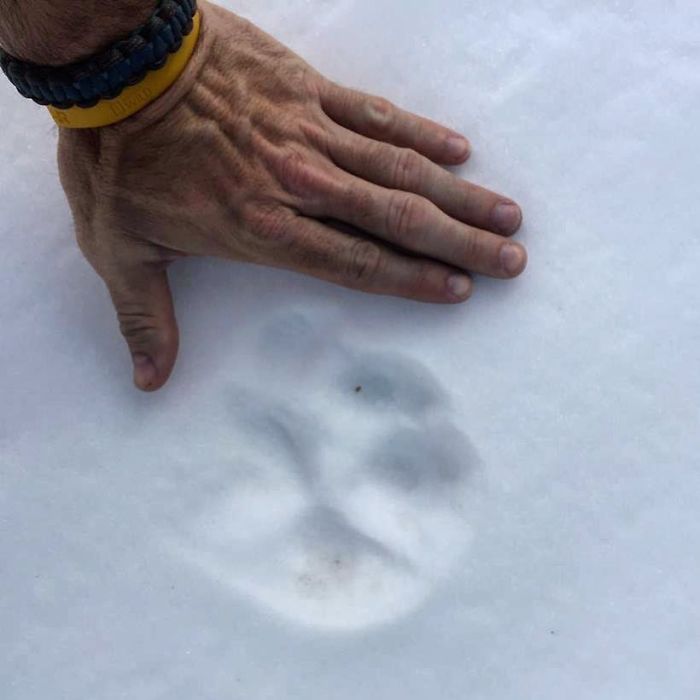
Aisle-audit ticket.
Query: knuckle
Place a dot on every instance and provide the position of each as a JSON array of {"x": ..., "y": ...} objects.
[
  {"x": 422, "y": 278},
  {"x": 405, "y": 215},
  {"x": 365, "y": 262},
  {"x": 316, "y": 135},
  {"x": 297, "y": 174},
  {"x": 303, "y": 79},
  {"x": 363, "y": 202},
  {"x": 381, "y": 114},
  {"x": 138, "y": 327},
  {"x": 312, "y": 81},
  {"x": 471, "y": 246},
  {"x": 406, "y": 168}
]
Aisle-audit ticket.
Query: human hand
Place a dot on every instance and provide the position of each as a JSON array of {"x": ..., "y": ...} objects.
[{"x": 254, "y": 156}]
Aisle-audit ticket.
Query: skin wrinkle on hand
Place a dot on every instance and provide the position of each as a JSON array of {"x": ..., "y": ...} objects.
[{"x": 273, "y": 158}]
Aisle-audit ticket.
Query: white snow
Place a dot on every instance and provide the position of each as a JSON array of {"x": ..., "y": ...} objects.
[{"x": 508, "y": 509}]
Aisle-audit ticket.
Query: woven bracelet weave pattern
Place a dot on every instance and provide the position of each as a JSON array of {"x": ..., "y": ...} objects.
[{"x": 106, "y": 75}]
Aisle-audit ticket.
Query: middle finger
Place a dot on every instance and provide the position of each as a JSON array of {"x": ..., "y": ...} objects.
[{"x": 405, "y": 169}]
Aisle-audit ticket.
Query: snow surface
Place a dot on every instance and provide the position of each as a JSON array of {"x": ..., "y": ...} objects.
[{"x": 509, "y": 509}]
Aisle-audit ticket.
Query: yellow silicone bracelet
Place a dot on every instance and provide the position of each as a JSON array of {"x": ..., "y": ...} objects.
[{"x": 135, "y": 97}]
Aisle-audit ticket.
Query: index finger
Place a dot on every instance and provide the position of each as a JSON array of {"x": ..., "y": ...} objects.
[{"x": 379, "y": 119}]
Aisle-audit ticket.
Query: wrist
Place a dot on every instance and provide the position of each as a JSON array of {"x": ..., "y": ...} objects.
[
  {"x": 59, "y": 32},
  {"x": 121, "y": 80},
  {"x": 177, "y": 94}
]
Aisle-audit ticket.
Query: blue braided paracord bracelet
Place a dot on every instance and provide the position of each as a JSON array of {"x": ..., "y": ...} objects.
[{"x": 105, "y": 76}]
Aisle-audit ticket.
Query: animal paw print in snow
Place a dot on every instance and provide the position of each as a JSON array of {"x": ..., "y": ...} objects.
[{"x": 346, "y": 495}]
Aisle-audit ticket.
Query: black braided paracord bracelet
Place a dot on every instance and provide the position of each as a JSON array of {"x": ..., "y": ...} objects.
[{"x": 106, "y": 75}]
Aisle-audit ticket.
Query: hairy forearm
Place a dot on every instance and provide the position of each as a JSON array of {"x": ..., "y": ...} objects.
[{"x": 57, "y": 32}]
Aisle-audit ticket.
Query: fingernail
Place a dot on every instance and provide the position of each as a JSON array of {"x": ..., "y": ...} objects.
[
  {"x": 459, "y": 287},
  {"x": 513, "y": 258},
  {"x": 144, "y": 371},
  {"x": 457, "y": 147},
  {"x": 506, "y": 217}
]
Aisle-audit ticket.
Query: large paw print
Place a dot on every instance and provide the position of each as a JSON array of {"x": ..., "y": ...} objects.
[{"x": 344, "y": 499}]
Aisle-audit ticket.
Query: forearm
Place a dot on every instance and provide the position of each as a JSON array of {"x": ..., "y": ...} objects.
[{"x": 57, "y": 32}]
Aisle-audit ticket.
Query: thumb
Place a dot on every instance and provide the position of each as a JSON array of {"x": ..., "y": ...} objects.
[{"x": 144, "y": 304}]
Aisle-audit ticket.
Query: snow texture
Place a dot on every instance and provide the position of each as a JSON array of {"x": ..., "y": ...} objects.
[{"x": 340, "y": 496}]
